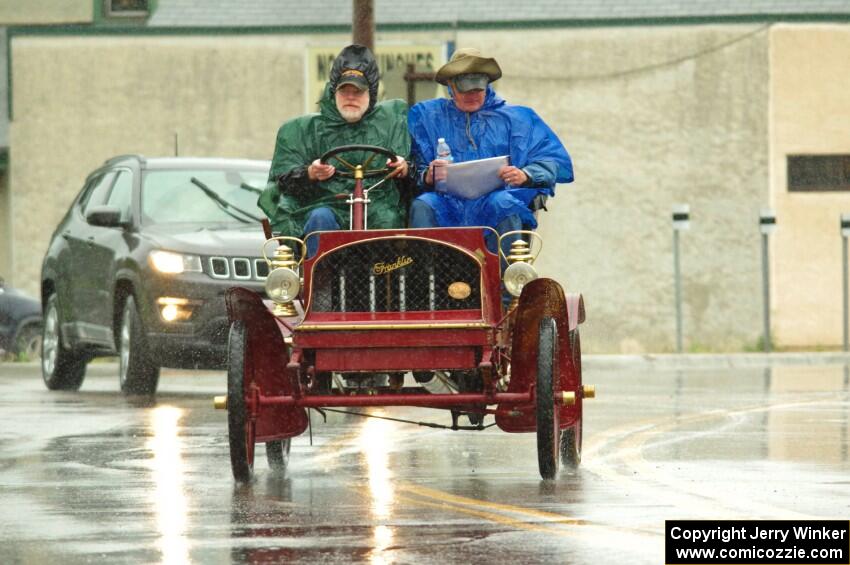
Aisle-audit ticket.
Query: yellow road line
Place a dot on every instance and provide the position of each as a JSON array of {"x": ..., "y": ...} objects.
[
  {"x": 631, "y": 447},
  {"x": 498, "y": 518},
  {"x": 462, "y": 500}
]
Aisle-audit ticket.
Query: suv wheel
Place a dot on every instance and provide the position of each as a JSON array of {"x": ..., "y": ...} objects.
[
  {"x": 137, "y": 373},
  {"x": 61, "y": 369}
]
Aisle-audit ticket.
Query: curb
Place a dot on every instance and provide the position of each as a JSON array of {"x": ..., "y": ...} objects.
[
  {"x": 645, "y": 361},
  {"x": 713, "y": 360}
]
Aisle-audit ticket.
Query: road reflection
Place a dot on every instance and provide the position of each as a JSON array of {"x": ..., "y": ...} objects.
[
  {"x": 374, "y": 440},
  {"x": 815, "y": 431},
  {"x": 168, "y": 497}
]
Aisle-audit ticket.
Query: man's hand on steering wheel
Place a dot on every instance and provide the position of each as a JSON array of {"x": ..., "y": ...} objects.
[
  {"x": 320, "y": 171},
  {"x": 399, "y": 167},
  {"x": 395, "y": 167}
]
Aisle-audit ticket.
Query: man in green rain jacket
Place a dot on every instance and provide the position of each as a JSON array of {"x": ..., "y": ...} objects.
[{"x": 301, "y": 195}]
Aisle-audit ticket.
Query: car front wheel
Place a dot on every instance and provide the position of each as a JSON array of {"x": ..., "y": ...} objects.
[
  {"x": 61, "y": 369},
  {"x": 137, "y": 373}
]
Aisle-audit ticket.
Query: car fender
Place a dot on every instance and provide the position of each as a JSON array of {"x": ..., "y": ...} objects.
[
  {"x": 541, "y": 298},
  {"x": 266, "y": 359}
]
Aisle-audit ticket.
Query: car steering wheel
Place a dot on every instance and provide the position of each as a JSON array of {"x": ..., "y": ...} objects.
[{"x": 350, "y": 168}]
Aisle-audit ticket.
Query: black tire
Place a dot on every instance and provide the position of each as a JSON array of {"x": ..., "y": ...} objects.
[
  {"x": 137, "y": 373},
  {"x": 239, "y": 427},
  {"x": 61, "y": 368},
  {"x": 277, "y": 454},
  {"x": 470, "y": 381},
  {"x": 27, "y": 343},
  {"x": 571, "y": 437},
  {"x": 548, "y": 414}
]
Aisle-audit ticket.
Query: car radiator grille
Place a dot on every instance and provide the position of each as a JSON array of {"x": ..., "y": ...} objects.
[
  {"x": 395, "y": 275},
  {"x": 238, "y": 268}
]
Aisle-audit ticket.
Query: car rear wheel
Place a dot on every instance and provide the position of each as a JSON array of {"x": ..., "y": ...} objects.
[
  {"x": 137, "y": 373},
  {"x": 548, "y": 415},
  {"x": 28, "y": 342},
  {"x": 241, "y": 430},
  {"x": 61, "y": 369},
  {"x": 277, "y": 453}
]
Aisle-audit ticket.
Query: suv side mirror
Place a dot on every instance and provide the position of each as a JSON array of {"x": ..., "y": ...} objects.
[{"x": 105, "y": 216}]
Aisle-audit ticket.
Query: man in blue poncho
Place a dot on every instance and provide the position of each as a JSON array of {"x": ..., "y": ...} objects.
[{"x": 477, "y": 124}]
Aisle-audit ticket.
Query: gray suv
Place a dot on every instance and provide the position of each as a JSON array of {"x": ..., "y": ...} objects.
[{"x": 139, "y": 265}]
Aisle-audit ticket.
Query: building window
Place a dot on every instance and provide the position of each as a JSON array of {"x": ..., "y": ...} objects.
[
  {"x": 818, "y": 173},
  {"x": 128, "y": 8}
]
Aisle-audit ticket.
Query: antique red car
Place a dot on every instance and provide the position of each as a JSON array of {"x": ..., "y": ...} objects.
[{"x": 372, "y": 305}]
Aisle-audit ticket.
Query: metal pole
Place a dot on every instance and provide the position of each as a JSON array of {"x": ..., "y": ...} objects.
[
  {"x": 681, "y": 221},
  {"x": 845, "y": 288},
  {"x": 677, "y": 275},
  {"x": 765, "y": 275},
  {"x": 363, "y": 24}
]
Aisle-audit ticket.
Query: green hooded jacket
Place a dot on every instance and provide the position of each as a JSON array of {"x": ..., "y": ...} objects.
[{"x": 290, "y": 196}]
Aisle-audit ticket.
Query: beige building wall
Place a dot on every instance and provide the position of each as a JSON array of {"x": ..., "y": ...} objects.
[
  {"x": 26, "y": 12},
  {"x": 652, "y": 116},
  {"x": 810, "y": 114},
  {"x": 81, "y": 100}
]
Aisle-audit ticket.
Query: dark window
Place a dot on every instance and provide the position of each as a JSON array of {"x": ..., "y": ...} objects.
[
  {"x": 96, "y": 191},
  {"x": 122, "y": 190},
  {"x": 818, "y": 173},
  {"x": 126, "y": 7}
]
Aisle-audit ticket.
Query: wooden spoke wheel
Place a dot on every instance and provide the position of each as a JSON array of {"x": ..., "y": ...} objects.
[
  {"x": 548, "y": 414},
  {"x": 571, "y": 437},
  {"x": 241, "y": 429}
]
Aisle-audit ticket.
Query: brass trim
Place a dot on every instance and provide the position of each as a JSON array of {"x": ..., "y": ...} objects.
[
  {"x": 588, "y": 391},
  {"x": 568, "y": 398},
  {"x": 414, "y": 326},
  {"x": 280, "y": 239},
  {"x": 522, "y": 232},
  {"x": 463, "y": 250},
  {"x": 220, "y": 402}
]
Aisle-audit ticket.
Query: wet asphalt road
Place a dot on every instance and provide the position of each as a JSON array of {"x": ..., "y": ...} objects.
[{"x": 96, "y": 477}]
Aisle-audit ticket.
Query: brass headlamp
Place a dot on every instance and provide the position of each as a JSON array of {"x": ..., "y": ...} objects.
[
  {"x": 520, "y": 271},
  {"x": 283, "y": 283}
]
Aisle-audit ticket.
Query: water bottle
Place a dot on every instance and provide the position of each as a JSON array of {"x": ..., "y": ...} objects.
[{"x": 444, "y": 151}]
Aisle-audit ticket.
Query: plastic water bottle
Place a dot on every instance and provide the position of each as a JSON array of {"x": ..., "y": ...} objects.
[{"x": 444, "y": 152}]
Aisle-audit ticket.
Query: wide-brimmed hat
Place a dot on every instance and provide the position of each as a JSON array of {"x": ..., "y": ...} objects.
[{"x": 465, "y": 61}]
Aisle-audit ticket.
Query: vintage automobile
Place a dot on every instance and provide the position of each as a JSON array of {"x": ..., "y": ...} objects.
[{"x": 372, "y": 305}]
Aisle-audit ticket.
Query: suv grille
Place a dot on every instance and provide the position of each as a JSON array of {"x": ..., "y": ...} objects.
[
  {"x": 238, "y": 268},
  {"x": 394, "y": 275}
]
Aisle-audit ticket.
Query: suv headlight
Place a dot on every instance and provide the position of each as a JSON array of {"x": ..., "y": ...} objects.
[
  {"x": 172, "y": 263},
  {"x": 283, "y": 285},
  {"x": 517, "y": 276}
]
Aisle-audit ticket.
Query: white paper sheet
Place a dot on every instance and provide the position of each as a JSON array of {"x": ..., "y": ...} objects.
[{"x": 472, "y": 179}]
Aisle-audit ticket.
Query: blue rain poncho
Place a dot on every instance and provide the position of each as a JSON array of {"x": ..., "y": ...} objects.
[{"x": 496, "y": 129}]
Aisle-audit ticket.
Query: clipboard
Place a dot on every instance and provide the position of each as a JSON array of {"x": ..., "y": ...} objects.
[{"x": 472, "y": 179}]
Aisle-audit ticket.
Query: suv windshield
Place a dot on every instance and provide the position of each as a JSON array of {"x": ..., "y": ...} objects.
[{"x": 170, "y": 196}]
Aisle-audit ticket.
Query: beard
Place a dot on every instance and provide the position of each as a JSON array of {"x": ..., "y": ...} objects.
[{"x": 352, "y": 115}]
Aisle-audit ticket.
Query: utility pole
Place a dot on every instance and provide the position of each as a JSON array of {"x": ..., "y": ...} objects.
[{"x": 363, "y": 23}]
